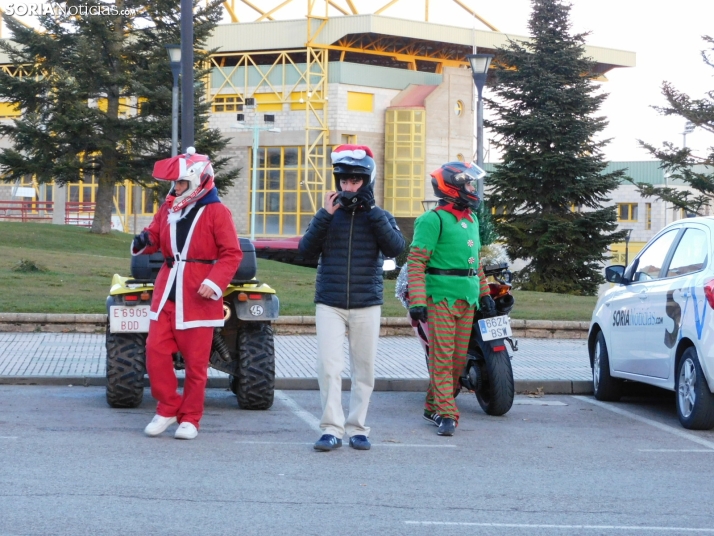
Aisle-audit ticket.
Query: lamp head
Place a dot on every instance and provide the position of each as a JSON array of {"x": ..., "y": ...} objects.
[{"x": 174, "y": 52}]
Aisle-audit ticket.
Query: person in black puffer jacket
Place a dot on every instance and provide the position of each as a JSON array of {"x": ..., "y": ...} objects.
[{"x": 351, "y": 236}]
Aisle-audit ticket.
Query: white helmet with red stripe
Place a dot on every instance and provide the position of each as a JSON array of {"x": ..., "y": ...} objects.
[{"x": 191, "y": 167}]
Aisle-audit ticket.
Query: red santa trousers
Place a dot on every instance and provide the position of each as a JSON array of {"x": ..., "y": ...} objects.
[{"x": 195, "y": 347}]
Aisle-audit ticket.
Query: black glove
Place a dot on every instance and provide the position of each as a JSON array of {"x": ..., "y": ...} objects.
[
  {"x": 365, "y": 198},
  {"x": 418, "y": 313},
  {"x": 488, "y": 306},
  {"x": 141, "y": 241}
]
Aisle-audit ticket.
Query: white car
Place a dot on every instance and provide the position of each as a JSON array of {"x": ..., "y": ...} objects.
[{"x": 656, "y": 324}]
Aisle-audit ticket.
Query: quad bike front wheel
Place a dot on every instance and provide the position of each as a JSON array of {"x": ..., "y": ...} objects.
[
  {"x": 254, "y": 384},
  {"x": 126, "y": 366}
]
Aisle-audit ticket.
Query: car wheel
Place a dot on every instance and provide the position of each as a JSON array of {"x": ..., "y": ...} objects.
[
  {"x": 695, "y": 403},
  {"x": 605, "y": 387}
]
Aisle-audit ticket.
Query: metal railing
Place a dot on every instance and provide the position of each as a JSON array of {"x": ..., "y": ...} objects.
[
  {"x": 26, "y": 211},
  {"x": 79, "y": 213}
]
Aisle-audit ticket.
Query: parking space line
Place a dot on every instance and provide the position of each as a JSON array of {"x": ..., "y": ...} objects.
[
  {"x": 312, "y": 421},
  {"x": 406, "y": 445},
  {"x": 537, "y": 402},
  {"x": 8, "y": 437},
  {"x": 664, "y": 427},
  {"x": 675, "y": 450},
  {"x": 561, "y": 527}
]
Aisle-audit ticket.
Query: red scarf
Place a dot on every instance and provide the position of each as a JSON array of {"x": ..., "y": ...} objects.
[{"x": 460, "y": 214}]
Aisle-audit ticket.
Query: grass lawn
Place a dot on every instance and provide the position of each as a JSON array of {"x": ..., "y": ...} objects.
[{"x": 79, "y": 266}]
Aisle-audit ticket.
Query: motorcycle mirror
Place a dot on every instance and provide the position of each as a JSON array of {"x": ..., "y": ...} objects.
[{"x": 389, "y": 265}]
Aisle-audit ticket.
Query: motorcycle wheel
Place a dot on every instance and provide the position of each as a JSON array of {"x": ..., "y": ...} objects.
[{"x": 496, "y": 394}]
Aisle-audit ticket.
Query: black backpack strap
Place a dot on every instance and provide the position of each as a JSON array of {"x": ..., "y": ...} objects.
[{"x": 441, "y": 224}]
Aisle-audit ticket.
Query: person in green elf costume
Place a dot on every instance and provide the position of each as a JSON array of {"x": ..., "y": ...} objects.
[{"x": 446, "y": 284}]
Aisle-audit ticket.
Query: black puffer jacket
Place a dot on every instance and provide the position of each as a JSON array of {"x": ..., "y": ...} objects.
[{"x": 351, "y": 246}]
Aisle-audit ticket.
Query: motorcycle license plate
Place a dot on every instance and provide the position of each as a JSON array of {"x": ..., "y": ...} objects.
[
  {"x": 497, "y": 327},
  {"x": 134, "y": 319}
]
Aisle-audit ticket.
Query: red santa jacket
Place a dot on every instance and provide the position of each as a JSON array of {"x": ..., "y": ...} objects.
[{"x": 212, "y": 237}]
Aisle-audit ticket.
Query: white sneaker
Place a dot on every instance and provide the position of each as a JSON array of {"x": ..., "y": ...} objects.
[
  {"x": 158, "y": 425},
  {"x": 186, "y": 430}
]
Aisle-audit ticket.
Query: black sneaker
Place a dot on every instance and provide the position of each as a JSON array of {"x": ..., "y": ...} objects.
[
  {"x": 447, "y": 427},
  {"x": 433, "y": 418},
  {"x": 327, "y": 442},
  {"x": 360, "y": 442}
]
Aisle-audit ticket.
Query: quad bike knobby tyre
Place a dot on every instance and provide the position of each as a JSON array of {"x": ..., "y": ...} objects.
[
  {"x": 254, "y": 384},
  {"x": 496, "y": 395},
  {"x": 126, "y": 366}
]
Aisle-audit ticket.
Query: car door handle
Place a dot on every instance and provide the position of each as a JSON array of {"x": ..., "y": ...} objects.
[{"x": 643, "y": 295}]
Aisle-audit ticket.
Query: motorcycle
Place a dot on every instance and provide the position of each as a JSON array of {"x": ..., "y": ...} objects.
[{"x": 488, "y": 372}]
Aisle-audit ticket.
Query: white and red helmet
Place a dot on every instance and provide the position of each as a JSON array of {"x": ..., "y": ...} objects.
[{"x": 191, "y": 167}]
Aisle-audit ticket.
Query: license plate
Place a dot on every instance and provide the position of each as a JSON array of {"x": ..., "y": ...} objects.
[
  {"x": 134, "y": 319},
  {"x": 497, "y": 327}
]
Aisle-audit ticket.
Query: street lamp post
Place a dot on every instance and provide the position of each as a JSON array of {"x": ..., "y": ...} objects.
[
  {"x": 174, "y": 52},
  {"x": 627, "y": 247},
  {"x": 256, "y": 127},
  {"x": 479, "y": 70},
  {"x": 688, "y": 129},
  {"x": 187, "y": 70}
]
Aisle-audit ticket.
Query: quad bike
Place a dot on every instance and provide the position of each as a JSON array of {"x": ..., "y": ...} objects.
[
  {"x": 488, "y": 371},
  {"x": 243, "y": 348}
]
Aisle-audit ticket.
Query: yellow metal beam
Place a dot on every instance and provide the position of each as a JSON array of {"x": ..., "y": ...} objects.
[
  {"x": 385, "y": 7},
  {"x": 247, "y": 3},
  {"x": 426, "y": 10},
  {"x": 406, "y": 58},
  {"x": 230, "y": 8},
  {"x": 473, "y": 13},
  {"x": 338, "y": 8},
  {"x": 352, "y": 7},
  {"x": 277, "y": 8}
]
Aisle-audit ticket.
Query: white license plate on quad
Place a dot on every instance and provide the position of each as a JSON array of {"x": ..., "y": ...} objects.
[
  {"x": 497, "y": 327},
  {"x": 129, "y": 319}
]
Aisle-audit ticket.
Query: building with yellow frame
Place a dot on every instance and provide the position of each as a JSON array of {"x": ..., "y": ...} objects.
[{"x": 403, "y": 87}]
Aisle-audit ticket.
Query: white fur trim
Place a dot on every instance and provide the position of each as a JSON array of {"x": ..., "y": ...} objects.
[
  {"x": 200, "y": 324},
  {"x": 182, "y": 266},
  {"x": 217, "y": 293},
  {"x": 174, "y": 217},
  {"x": 356, "y": 154},
  {"x": 131, "y": 249},
  {"x": 191, "y": 150}
]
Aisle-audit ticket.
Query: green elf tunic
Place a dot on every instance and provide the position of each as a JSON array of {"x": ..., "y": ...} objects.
[{"x": 440, "y": 241}]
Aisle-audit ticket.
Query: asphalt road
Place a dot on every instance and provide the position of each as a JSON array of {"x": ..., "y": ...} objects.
[{"x": 555, "y": 465}]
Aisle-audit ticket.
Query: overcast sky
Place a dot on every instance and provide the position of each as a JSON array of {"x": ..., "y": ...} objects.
[{"x": 665, "y": 36}]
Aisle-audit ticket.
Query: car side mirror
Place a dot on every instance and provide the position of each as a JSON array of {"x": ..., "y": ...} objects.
[{"x": 615, "y": 274}]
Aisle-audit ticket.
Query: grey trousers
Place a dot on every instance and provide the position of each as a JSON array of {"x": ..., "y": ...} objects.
[{"x": 332, "y": 325}]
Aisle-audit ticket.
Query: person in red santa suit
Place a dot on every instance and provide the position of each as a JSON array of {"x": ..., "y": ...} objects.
[{"x": 195, "y": 233}]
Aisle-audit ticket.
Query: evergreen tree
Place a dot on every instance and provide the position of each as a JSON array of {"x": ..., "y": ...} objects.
[
  {"x": 697, "y": 173},
  {"x": 551, "y": 184},
  {"x": 97, "y": 98}
]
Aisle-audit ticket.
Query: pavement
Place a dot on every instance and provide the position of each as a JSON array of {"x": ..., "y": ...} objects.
[{"x": 556, "y": 366}]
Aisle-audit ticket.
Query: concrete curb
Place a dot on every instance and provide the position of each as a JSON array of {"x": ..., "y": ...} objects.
[
  {"x": 285, "y": 325},
  {"x": 550, "y": 387}
]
